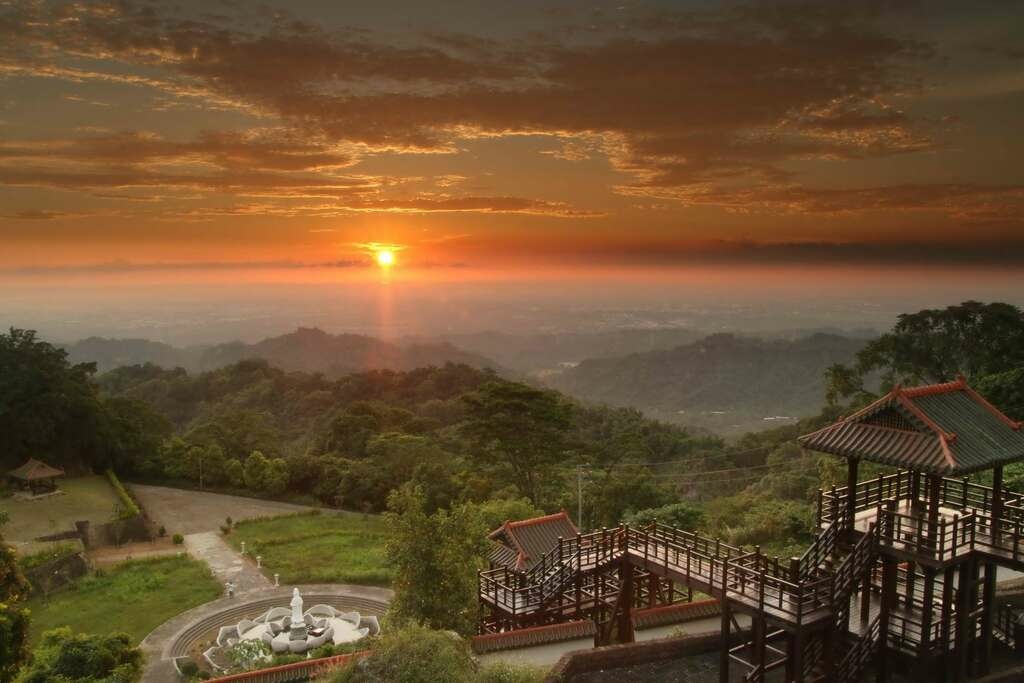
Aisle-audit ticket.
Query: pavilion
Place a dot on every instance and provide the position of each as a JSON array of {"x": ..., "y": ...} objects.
[{"x": 36, "y": 476}]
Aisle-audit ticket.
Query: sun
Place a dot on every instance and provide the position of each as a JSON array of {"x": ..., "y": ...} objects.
[{"x": 385, "y": 258}]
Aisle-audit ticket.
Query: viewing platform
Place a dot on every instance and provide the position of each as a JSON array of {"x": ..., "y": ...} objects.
[{"x": 970, "y": 518}]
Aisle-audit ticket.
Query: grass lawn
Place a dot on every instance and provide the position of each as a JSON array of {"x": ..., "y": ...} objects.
[
  {"x": 318, "y": 548},
  {"x": 89, "y": 497},
  {"x": 134, "y": 597}
]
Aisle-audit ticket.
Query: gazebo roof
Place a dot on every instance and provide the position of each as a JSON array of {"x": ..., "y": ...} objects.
[
  {"x": 519, "y": 544},
  {"x": 34, "y": 470},
  {"x": 947, "y": 429}
]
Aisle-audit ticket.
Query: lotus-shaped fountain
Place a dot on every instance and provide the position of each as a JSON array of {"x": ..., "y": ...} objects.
[{"x": 296, "y": 631}]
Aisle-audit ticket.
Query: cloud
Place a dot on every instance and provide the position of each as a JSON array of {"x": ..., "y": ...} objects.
[
  {"x": 678, "y": 100},
  {"x": 264, "y": 149}
]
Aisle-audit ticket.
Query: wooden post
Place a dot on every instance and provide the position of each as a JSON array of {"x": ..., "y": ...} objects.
[
  {"x": 934, "y": 482},
  {"x": 947, "y": 616},
  {"x": 915, "y": 489},
  {"x": 888, "y": 602},
  {"x": 726, "y": 643},
  {"x": 997, "y": 503},
  {"x": 988, "y": 612},
  {"x": 963, "y": 620},
  {"x": 851, "y": 491},
  {"x": 928, "y": 598}
]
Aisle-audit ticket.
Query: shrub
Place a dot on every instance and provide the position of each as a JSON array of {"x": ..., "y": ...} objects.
[
  {"x": 62, "y": 655},
  {"x": 162, "y": 531},
  {"x": 189, "y": 669},
  {"x": 413, "y": 654},
  {"x": 51, "y": 554},
  {"x": 177, "y": 539},
  {"x": 503, "y": 672}
]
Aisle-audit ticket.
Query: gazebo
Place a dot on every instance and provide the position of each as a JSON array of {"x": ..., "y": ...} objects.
[{"x": 36, "y": 476}]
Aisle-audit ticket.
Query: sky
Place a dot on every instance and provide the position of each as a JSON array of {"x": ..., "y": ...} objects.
[{"x": 510, "y": 138}]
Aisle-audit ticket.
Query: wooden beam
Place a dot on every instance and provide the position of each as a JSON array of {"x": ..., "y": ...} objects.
[
  {"x": 887, "y": 604},
  {"x": 987, "y": 618},
  {"x": 723, "y": 654},
  {"x": 997, "y": 501},
  {"x": 924, "y": 654},
  {"x": 851, "y": 490}
]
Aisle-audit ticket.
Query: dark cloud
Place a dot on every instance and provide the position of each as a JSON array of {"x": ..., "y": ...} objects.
[{"x": 692, "y": 99}]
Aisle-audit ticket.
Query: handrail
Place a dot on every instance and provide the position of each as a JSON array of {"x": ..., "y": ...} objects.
[{"x": 852, "y": 665}]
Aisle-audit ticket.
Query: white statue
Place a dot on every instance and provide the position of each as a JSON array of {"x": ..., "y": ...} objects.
[{"x": 296, "y": 607}]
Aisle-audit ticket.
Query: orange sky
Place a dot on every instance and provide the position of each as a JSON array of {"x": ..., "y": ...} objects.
[{"x": 638, "y": 135}]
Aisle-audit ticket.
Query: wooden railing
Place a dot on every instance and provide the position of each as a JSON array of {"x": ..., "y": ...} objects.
[
  {"x": 814, "y": 558},
  {"x": 1005, "y": 625},
  {"x": 852, "y": 665},
  {"x": 973, "y": 529},
  {"x": 760, "y": 581}
]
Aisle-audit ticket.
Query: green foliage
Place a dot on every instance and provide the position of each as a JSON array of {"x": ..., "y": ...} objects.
[
  {"x": 235, "y": 473},
  {"x": 522, "y": 429},
  {"x": 413, "y": 654},
  {"x": 679, "y": 515},
  {"x": 142, "y": 594},
  {"x": 248, "y": 654},
  {"x": 503, "y": 672},
  {"x": 63, "y": 656},
  {"x": 934, "y": 345},
  {"x": 255, "y": 470},
  {"x": 13, "y": 617},
  {"x": 436, "y": 558},
  {"x": 495, "y": 512},
  {"x": 54, "y": 552},
  {"x": 318, "y": 548},
  {"x": 1005, "y": 390},
  {"x": 177, "y": 539},
  {"x": 48, "y": 406},
  {"x": 128, "y": 508}
]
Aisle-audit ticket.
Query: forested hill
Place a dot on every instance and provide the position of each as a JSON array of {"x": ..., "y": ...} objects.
[
  {"x": 306, "y": 350},
  {"x": 725, "y": 383}
]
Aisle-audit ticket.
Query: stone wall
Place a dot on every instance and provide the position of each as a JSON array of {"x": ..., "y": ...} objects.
[
  {"x": 617, "y": 656},
  {"x": 52, "y": 575},
  {"x": 118, "y": 532}
]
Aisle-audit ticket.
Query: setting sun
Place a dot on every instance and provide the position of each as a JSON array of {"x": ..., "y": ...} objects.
[{"x": 385, "y": 258}]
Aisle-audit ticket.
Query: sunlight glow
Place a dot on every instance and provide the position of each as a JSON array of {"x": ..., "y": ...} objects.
[{"x": 385, "y": 258}]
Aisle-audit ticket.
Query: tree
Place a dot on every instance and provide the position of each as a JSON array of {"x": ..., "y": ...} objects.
[
  {"x": 523, "y": 429},
  {"x": 275, "y": 477},
  {"x": 13, "y": 618},
  {"x": 934, "y": 345},
  {"x": 135, "y": 431},
  {"x": 679, "y": 515},
  {"x": 1005, "y": 390},
  {"x": 436, "y": 558},
  {"x": 255, "y": 470},
  {"x": 47, "y": 405},
  {"x": 414, "y": 654},
  {"x": 65, "y": 656},
  {"x": 235, "y": 472}
]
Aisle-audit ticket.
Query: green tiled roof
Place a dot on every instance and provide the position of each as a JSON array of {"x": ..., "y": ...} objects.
[{"x": 945, "y": 429}]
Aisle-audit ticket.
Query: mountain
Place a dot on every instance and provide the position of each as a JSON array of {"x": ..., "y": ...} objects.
[
  {"x": 725, "y": 383},
  {"x": 306, "y": 350},
  {"x": 540, "y": 354}
]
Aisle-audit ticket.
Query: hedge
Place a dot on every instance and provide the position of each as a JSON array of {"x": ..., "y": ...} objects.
[{"x": 129, "y": 507}]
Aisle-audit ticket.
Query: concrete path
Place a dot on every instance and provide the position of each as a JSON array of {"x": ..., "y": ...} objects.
[
  {"x": 226, "y": 563},
  {"x": 183, "y": 511}
]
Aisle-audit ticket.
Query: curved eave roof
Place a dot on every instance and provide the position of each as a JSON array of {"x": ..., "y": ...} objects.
[{"x": 956, "y": 432}]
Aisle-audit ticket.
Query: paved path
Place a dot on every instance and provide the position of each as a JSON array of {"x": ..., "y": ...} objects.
[
  {"x": 183, "y": 511},
  {"x": 225, "y": 562}
]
